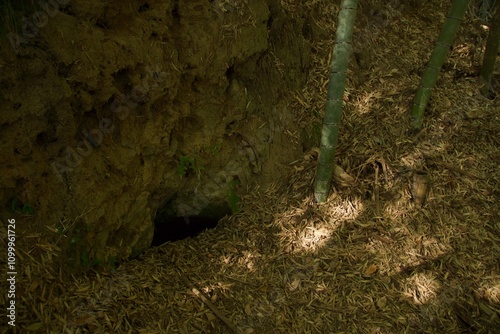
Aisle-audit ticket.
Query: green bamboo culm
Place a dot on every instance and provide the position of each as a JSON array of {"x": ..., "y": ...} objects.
[
  {"x": 446, "y": 37},
  {"x": 490, "y": 54},
  {"x": 333, "y": 108}
]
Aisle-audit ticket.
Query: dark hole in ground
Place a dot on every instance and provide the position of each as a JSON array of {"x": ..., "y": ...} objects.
[
  {"x": 170, "y": 225},
  {"x": 178, "y": 228}
]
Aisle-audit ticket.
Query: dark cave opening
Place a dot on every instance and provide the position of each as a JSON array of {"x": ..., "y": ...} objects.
[
  {"x": 171, "y": 226},
  {"x": 178, "y": 228}
]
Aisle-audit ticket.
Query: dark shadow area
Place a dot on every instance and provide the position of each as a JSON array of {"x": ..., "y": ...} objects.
[
  {"x": 178, "y": 228},
  {"x": 170, "y": 225}
]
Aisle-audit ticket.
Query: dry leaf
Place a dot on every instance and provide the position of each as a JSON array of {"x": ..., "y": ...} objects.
[
  {"x": 27, "y": 271},
  {"x": 34, "y": 327},
  {"x": 382, "y": 302},
  {"x": 231, "y": 248},
  {"x": 486, "y": 309},
  {"x": 294, "y": 285},
  {"x": 371, "y": 270},
  {"x": 83, "y": 320},
  {"x": 342, "y": 175},
  {"x": 33, "y": 286},
  {"x": 299, "y": 168},
  {"x": 210, "y": 316}
]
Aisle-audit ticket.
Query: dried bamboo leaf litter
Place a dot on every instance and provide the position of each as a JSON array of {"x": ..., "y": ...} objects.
[{"x": 369, "y": 260}]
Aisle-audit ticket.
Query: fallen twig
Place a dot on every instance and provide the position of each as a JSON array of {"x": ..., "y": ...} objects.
[{"x": 212, "y": 307}]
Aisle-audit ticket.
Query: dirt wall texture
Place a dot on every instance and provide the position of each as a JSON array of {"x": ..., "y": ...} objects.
[{"x": 110, "y": 109}]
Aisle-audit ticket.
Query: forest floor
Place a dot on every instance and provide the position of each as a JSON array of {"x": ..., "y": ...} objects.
[{"x": 370, "y": 259}]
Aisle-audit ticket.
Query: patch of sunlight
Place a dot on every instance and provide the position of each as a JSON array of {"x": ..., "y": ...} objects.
[
  {"x": 245, "y": 259},
  {"x": 421, "y": 248},
  {"x": 490, "y": 291},
  {"x": 313, "y": 238},
  {"x": 344, "y": 208},
  {"x": 414, "y": 159},
  {"x": 397, "y": 208},
  {"x": 248, "y": 260},
  {"x": 421, "y": 288},
  {"x": 316, "y": 233},
  {"x": 364, "y": 103}
]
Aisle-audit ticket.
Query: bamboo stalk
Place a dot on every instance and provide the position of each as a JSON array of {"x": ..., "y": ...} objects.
[
  {"x": 431, "y": 74},
  {"x": 333, "y": 109}
]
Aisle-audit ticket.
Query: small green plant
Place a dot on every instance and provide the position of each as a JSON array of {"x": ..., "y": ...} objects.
[
  {"x": 74, "y": 250},
  {"x": 84, "y": 258},
  {"x": 77, "y": 250},
  {"x": 22, "y": 208},
  {"x": 112, "y": 263},
  {"x": 96, "y": 262},
  {"x": 233, "y": 200},
  {"x": 62, "y": 227},
  {"x": 187, "y": 164},
  {"x": 215, "y": 149},
  {"x": 86, "y": 262}
]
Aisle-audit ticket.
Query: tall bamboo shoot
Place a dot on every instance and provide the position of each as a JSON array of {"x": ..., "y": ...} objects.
[
  {"x": 446, "y": 37},
  {"x": 333, "y": 108},
  {"x": 490, "y": 55}
]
